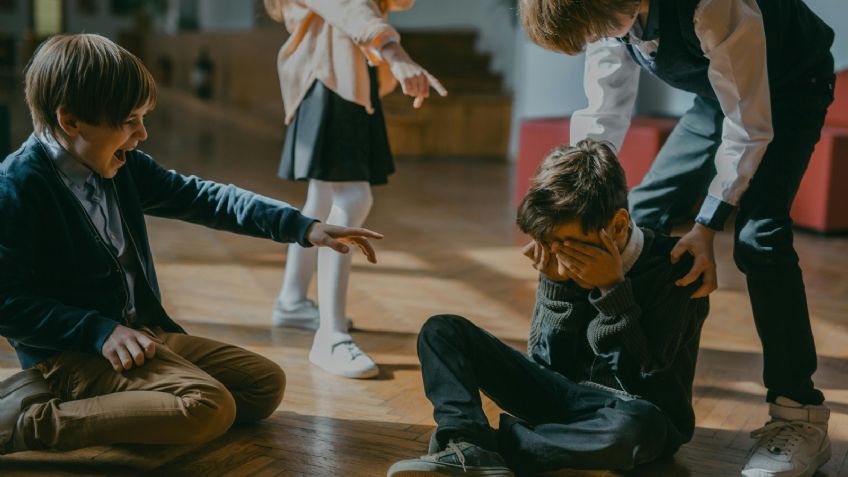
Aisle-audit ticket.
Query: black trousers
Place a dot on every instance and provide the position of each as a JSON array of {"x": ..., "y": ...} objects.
[
  {"x": 555, "y": 423},
  {"x": 763, "y": 241}
]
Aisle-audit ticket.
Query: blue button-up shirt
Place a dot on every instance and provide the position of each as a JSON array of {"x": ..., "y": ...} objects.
[{"x": 100, "y": 204}]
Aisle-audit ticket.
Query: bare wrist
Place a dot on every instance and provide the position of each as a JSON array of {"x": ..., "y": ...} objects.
[{"x": 704, "y": 230}]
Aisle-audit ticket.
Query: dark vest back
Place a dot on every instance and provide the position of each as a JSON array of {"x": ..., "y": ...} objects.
[{"x": 797, "y": 41}]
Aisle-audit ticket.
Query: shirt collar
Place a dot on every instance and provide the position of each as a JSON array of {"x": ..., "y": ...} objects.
[
  {"x": 652, "y": 25},
  {"x": 74, "y": 171},
  {"x": 633, "y": 248}
]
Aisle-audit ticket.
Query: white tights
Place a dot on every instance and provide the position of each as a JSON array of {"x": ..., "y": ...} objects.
[{"x": 336, "y": 203}]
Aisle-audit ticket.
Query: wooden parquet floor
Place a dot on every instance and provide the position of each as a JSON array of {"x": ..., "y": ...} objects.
[{"x": 450, "y": 247}]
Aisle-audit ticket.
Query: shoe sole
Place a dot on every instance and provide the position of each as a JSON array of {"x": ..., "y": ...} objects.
[
  {"x": 426, "y": 469},
  {"x": 820, "y": 459},
  {"x": 372, "y": 373},
  {"x": 303, "y": 323}
]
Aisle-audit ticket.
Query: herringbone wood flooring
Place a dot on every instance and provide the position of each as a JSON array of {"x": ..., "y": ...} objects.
[{"x": 450, "y": 247}]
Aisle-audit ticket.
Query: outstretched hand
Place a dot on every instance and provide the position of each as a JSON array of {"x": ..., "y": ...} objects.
[
  {"x": 698, "y": 243},
  {"x": 337, "y": 238},
  {"x": 414, "y": 80}
]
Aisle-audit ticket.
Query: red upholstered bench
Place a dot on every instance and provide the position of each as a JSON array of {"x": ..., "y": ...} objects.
[
  {"x": 539, "y": 136},
  {"x": 822, "y": 200}
]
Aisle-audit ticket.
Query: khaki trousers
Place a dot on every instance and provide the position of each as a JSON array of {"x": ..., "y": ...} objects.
[{"x": 192, "y": 391}]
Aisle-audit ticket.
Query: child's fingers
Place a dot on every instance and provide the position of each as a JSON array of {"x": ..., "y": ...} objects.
[
  {"x": 327, "y": 241},
  {"x": 124, "y": 357},
  {"x": 423, "y": 86},
  {"x": 574, "y": 257},
  {"x": 698, "y": 268},
  {"x": 418, "y": 102},
  {"x": 528, "y": 249},
  {"x": 357, "y": 232},
  {"x": 148, "y": 346},
  {"x": 437, "y": 85},
  {"x": 365, "y": 247},
  {"x": 135, "y": 352},
  {"x": 581, "y": 249},
  {"x": 537, "y": 253},
  {"x": 608, "y": 243},
  {"x": 710, "y": 284},
  {"x": 679, "y": 249},
  {"x": 570, "y": 266},
  {"x": 561, "y": 267}
]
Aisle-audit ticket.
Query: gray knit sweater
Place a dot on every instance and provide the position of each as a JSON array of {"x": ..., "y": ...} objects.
[{"x": 641, "y": 338}]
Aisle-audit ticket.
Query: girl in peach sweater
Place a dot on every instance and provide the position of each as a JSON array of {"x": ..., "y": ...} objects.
[{"x": 341, "y": 57}]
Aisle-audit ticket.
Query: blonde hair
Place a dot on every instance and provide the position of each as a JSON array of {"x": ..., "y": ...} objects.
[{"x": 98, "y": 81}]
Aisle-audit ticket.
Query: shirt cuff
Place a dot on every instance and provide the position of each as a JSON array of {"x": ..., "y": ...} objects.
[
  {"x": 714, "y": 213},
  {"x": 374, "y": 50},
  {"x": 301, "y": 227}
]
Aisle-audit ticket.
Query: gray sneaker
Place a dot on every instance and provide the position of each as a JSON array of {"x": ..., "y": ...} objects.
[
  {"x": 458, "y": 459},
  {"x": 303, "y": 315}
]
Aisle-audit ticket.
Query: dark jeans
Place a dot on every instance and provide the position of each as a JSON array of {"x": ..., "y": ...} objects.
[
  {"x": 558, "y": 423},
  {"x": 763, "y": 247}
]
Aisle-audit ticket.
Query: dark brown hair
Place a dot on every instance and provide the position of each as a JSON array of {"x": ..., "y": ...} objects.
[
  {"x": 567, "y": 25},
  {"x": 583, "y": 183},
  {"x": 98, "y": 81}
]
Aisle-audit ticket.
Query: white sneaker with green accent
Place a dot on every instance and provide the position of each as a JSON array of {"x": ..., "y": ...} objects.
[
  {"x": 341, "y": 356},
  {"x": 793, "y": 444}
]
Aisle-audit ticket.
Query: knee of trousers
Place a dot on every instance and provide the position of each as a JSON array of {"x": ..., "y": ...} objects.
[
  {"x": 210, "y": 410},
  {"x": 640, "y": 437},
  {"x": 267, "y": 393},
  {"x": 764, "y": 245},
  {"x": 442, "y": 327}
]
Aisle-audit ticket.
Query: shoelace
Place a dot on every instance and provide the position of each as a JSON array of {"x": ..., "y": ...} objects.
[
  {"x": 459, "y": 455},
  {"x": 351, "y": 348},
  {"x": 781, "y": 436}
]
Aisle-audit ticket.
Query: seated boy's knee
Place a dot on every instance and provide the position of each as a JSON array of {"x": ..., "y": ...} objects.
[
  {"x": 440, "y": 323},
  {"x": 270, "y": 390},
  {"x": 640, "y": 437},
  {"x": 211, "y": 411}
]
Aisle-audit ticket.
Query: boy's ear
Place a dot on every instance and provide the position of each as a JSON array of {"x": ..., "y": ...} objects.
[
  {"x": 67, "y": 121},
  {"x": 620, "y": 225}
]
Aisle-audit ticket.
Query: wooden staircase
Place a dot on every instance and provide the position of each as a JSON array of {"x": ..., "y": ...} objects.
[{"x": 473, "y": 121}]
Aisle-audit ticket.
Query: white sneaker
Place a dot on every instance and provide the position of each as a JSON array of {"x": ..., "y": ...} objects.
[
  {"x": 793, "y": 444},
  {"x": 342, "y": 358},
  {"x": 303, "y": 315}
]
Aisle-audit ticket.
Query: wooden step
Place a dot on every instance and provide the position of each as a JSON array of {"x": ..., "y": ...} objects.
[
  {"x": 461, "y": 125},
  {"x": 443, "y": 41}
]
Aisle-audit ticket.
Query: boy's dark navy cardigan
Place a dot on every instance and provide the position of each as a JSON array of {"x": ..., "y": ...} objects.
[{"x": 61, "y": 288}]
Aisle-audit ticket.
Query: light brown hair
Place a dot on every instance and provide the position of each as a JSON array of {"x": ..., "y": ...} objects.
[
  {"x": 584, "y": 183},
  {"x": 275, "y": 8},
  {"x": 567, "y": 25},
  {"x": 98, "y": 81}
]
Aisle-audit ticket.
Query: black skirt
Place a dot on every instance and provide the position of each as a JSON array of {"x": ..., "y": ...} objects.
[{"x": 335, "y": 140}]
